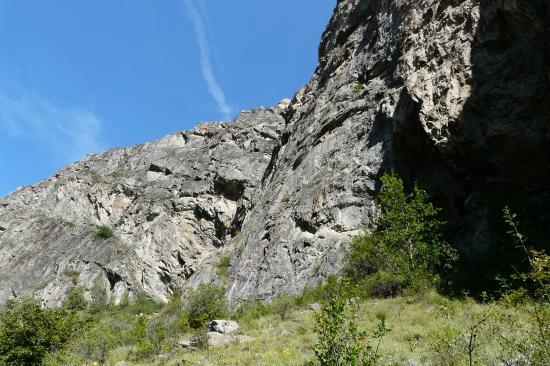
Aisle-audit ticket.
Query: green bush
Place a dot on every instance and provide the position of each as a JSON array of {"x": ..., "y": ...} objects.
[
  {"x": 406, "y": 244},
  {"x": 282, "y": 306},
  {"x": 340, "y": 342},
  {"x": 148, "y": 337},
  {"x": 93, "y": 343},
  {"x": 381, "y": 284},
  {"x": 28, "y": 332},
  {"x": 248, "y": 310},
  {"x": 104, "y": 232},
  {"x": 205, "y": 303},
  {"x": 75, "y": 299}
]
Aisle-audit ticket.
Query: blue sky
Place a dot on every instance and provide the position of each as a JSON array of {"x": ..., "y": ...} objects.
[{"x": 78, "y": 77}]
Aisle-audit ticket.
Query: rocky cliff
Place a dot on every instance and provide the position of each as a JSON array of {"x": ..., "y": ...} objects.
[{"x": 454, "y": 94}]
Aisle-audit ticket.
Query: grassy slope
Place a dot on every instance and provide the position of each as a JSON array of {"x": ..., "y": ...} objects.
[{"x": 430, "y": 328}]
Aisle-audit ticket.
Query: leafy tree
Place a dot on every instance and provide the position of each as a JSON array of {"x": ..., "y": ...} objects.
[
  {"x": 407, "y": 242},
  {"x": 28, "y": 332}
]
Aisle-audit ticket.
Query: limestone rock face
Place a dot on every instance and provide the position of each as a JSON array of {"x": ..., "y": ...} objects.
[
  {"x": 454, "y": 94},
  {"x": 171, "y": 204}
]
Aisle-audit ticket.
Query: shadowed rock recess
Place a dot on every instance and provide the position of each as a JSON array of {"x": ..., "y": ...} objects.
[{"x": 454, "y": 94}]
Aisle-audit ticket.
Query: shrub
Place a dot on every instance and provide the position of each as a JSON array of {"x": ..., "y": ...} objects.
[
  {"x": 223, "y": 265},
  {"x": 407, "y": 242},
  {"x": 530, "y": 292},
  {"x": 145, "y": 348},
  {"x": 75, "y": 299},
  {"x": 92, "y": 344},
  {"x": 205, "y": 303},
  {"x": 28, "y": 332},
  {"x": 104, "y": 232},
  {"x": 247, "y": 310},
  {"x": 98, "y": 293},
  {"x": 175, "y": 316},
  {"x": 340, "y": 342},
  {"x": 381, "y": 284},
  {"x": 282, "y": 305}
]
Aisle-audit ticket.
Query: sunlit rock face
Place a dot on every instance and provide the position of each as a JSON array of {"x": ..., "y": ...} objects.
[{"x": 453, "y": 94}]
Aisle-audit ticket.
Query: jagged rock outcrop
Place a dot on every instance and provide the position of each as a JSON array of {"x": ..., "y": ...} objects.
[
  {"x": 171, "y": 203},
  {"x": 454, "y": 94}
]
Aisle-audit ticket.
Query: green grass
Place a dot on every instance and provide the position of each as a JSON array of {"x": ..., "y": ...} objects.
[
  {"x": 427, "y": 328},
  {"x": 104, "y": 232},
  {"x": 358, "y": 87}
]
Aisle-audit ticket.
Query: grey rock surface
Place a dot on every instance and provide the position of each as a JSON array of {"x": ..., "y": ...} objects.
[
  {"x": 454, "y": 94},
  {"x": 172, "y": 205},
  {"x": 223, "y": 326}
]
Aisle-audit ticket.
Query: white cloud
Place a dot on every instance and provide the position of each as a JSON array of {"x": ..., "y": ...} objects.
[
  {"x": 70, "y": 133},
  {"x": 206, "y": 60}
]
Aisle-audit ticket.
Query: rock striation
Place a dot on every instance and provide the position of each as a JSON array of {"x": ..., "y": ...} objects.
[
  {"x": 171, "y": 204},
  {"x": 454, "y": 94}
]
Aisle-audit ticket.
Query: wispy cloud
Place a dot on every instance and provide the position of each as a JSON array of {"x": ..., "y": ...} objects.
[
  {"x": 206, "y": 59},
  {"x": 70, "y": 133}
]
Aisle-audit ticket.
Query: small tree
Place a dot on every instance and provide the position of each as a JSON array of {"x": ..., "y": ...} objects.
[
  {"x": 28, "y": 332},
  {"x": 340, "y": 342},
  {"x": 407, "y": 242}
]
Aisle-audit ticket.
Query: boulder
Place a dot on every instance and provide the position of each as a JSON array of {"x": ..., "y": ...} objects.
[{"x": 223, "y": 326}]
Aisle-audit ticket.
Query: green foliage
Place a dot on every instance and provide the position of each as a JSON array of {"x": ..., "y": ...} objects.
[
  {"x": 104, "y": 232},
  {"x": 143, "y": 305},
  {"x": 93, "y": 343},
  {"x": 99, "y": 300},
  {"x": 282, "y": 306},
  {"x": 381, "y": 284},
  {"x": 406, "y": 246},
  {"x": 75, "y": 299},
  {"x": 28, "y": 332},
  {"x": 223, "y": 265},
  {"x": 199, "y": 339},
  {"x": 249, "y": 310},
  {"x": 175, "y": 316},
  {"x": 148, "y": 337},
  {"x": 73, "y": 275},
  {"x": 358, "y": 87},
  {"x": 205, "y": 303},
  {"x": 530, "y": 292},
  {"x": 340, "y": 342}
]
